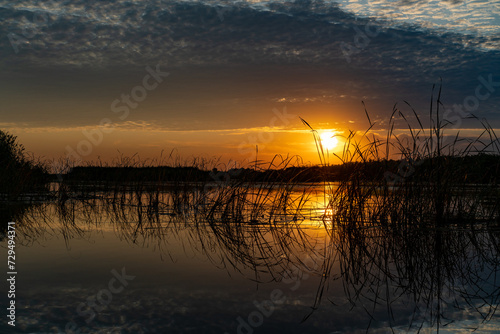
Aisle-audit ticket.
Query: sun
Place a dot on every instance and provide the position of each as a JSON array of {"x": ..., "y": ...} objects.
[{"x": 328, "y": 140}]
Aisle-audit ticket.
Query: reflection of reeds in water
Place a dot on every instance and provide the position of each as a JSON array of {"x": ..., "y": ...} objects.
[
  {"x": 264, "y": 247},
  {"x": 432, "y": 269},
  {"x": 433, "y": 273},
  {"x": 248, "y": 221}
]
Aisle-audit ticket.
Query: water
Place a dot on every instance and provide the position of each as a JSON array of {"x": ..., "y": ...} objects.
[{"x": 93, "y": 266}]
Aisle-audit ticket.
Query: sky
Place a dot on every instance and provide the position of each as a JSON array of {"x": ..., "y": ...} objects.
[{"x": 89, "y": 80}]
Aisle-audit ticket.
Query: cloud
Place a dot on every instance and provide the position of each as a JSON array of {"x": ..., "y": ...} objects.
[
  {"x": 330, "y": 47},
  {"x": 482, "y": 18},
  {"x": 123, "y": 32}
]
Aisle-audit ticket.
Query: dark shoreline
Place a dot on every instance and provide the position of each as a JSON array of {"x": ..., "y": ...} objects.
[{"x": 479, "y": 169}]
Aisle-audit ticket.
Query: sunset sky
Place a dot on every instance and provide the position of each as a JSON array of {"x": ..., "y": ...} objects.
[{"x": 240, "y": 73}]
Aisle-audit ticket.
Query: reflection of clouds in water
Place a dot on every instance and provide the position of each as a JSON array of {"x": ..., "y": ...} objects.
[
  {"x": 159, "y": 309},
  {"x": 177, "y": 310}
]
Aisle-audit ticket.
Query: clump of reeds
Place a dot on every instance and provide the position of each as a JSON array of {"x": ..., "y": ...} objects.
[
  {"x": 205, "y": 188},
  {"x": 237, "y": 206},
  {"x": 431, "y": 180}
]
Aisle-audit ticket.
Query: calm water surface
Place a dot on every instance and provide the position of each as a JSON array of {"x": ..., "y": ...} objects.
[{"x": 92, "y": 267}]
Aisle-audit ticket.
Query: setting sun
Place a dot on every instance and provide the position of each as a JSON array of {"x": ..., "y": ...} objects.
[{"x": 328, "y": 140}]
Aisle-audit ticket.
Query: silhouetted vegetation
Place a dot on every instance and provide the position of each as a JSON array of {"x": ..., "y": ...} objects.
[
  {"x": 19, "y": 174},
  {"x": 474, "y": 169}
]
